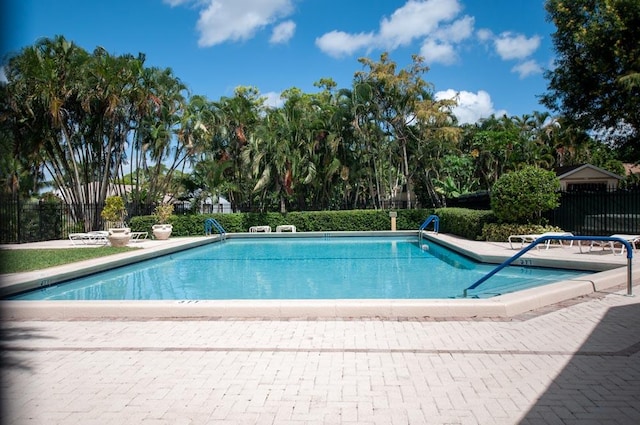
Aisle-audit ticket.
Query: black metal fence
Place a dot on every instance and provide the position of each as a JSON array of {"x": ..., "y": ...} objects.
[
  {"x": 598, "y": 213},
  {"x": 28, "y": 221},
  {"x": 583, "y": 213},
  {"x": 592, "y": 213}
]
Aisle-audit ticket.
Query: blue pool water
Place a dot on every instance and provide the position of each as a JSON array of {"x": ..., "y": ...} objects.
[{"x": 301, "y": 268}]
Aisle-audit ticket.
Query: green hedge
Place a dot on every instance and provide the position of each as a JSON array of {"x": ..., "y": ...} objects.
[
  {"x": 464, "y": 222},
  {"x": 500, "y": 232},
  {"x": 458, "y": 221},
  {"x": 313, "y": 221}
]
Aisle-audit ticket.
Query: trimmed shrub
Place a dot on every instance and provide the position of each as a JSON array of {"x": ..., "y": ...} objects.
[
  {"x": 494, "y": 232},
  {"x": 522, "y": 196},
  {"x": 464, "y": 222},
  {"x": 459, "y": 221}
]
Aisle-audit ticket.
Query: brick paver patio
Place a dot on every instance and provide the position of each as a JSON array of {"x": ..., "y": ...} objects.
[{"x": 573, "y": 364}]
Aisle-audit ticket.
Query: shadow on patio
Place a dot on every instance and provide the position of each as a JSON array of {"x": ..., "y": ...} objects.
[{"x": 601, "y": 382}]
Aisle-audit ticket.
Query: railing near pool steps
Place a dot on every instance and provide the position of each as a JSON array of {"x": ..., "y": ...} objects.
[
  {"x": 431, "y": 219},
  {"x": 545, "y": 239},
  {"x": 210, "y": 224}
]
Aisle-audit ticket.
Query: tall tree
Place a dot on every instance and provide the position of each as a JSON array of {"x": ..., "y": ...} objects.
[
  {"x": 406, "y": 109},
  {"x": 594, "y": 82}
]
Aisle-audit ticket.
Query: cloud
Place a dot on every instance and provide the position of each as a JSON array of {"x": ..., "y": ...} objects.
[
  {"x": 510, "y": 46},
  {"x": 472, "y": 107},
  {"x": 339, "y": 43},
  {"x": 283, "y": 32},
  {"x": 237, "y": 20},
  {"x": 527, "y": 68},
  {"x": 417, "y": 19},
  {"x": 484, "y": 34},
  {"x": 433, "y": 51},
  {"x": 273, "y": 99},
  {"x": 515, "y": 46}
]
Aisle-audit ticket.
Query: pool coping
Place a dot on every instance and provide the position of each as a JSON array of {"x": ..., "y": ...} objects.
[{"x": 608, "y": 274}]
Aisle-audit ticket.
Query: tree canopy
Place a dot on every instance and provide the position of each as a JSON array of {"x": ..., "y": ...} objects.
[
  {"x": 595, "y": 81},
  {"x": 92, "y": 122}
]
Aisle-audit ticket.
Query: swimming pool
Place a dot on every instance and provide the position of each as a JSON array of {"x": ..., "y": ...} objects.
[{"x": 314, "y": 268}]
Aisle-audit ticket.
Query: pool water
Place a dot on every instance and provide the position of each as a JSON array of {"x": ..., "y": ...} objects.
[{"x": 302, "y": 268}]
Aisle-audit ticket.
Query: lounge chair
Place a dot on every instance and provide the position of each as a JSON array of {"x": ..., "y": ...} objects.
[
  {"x": 256, "y": 229},
  {"x": 632, "y": 239},
  {"x": 527, "y": 239},
  {"x": 89, "y": 238},
  {"x": 286, "y": 228},
  {"x": 138, "y": 236}
]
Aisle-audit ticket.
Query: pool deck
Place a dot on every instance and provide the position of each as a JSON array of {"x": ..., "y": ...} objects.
[{"x": 572, "y": 362}]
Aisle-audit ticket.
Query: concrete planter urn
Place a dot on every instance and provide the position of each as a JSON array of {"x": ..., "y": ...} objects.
[
  {"x": 162, "y": 231},
  {"x": 119, "y": 236}
]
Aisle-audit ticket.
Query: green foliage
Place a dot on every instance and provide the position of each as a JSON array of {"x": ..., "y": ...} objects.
[
  {"x": 464, "y": 222},
  {"x": 522, "y": 196},
  {"x": 596, "y": 78},
  {"x": 142, "y": 223},
  {"x": 162, "y": 213},
  {"x": 500, "y": 232},
  {"x": 315, "y": 221},
  {"x": 412, "y": 219},
  {"x": 114, "y": 209}
]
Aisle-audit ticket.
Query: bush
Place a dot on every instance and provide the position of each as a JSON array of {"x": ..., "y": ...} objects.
[
  {"x": 494, "y": 232},
  {"x": 459, "y": 221},
  {"x": 464, "y": 222},
  {"x": 522, "y": 196}
]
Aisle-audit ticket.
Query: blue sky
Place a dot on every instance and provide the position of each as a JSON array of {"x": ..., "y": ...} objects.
[{"x": 491, "y": 53}]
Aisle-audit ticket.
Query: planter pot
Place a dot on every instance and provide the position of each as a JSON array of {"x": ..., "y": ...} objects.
[
  {"x": 162, "y": 231},
  {"x": 119, "y": 236}
]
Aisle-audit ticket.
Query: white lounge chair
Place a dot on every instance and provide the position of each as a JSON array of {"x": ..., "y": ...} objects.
[
  {"x": 89, "y": 238},
  {"x": 632, "y": 239},
  {"x": 286, "y": 228},
  {"x": 527, "y": 239},
  {"x": 256, "y": 229},
  {"x": 138, "y": 236}
]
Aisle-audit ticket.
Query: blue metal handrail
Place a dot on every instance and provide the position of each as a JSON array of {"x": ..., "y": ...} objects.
[
  {"x": 544, "y": 239},
  {"x": 432, "y": 218},
  {"x": 210, "y": 224}
]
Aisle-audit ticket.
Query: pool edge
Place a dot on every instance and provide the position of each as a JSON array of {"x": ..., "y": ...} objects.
[{"x": 502, "y": 306}]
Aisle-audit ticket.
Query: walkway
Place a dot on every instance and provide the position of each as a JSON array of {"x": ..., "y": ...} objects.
[{"x": 575, "y": 365}]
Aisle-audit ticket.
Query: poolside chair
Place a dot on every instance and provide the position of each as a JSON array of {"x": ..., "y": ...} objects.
[
  {"x": 286, "y": 228},
  {"x": 527, "y": 239},
  {"x": 256, "y": 229},
  {"x": 89, "y": 238},
  {"x": 138, "y": 236},
  {"x": 632, "y": 239}
]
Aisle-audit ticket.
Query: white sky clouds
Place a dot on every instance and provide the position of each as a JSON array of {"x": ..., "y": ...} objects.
[
  {"x": 238, "y": 20},
  {"x": 515, "y": 46},
  {"x": 472, "y": 107},
  {"x": 340, "y": 43},
  {"x": 283, "y": 32},
  {"x": 274, "y": 99},
  {"x": 512, "y": 46},
  {"x": 430, "y": 20},
  {"x": 439, "y": 27},
  {"x": 527, "y": 68}
]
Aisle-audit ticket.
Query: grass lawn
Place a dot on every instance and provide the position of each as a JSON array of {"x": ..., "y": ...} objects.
[{"x": 26, "y": 260}]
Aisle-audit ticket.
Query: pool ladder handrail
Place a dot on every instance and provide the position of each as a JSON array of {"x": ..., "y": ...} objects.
[
  {"x": 432, "y": 218},
  {"x": 545, "y": 239},
  {"x": 210, "y": 224},
  {"x": 436, "y": 225}
]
